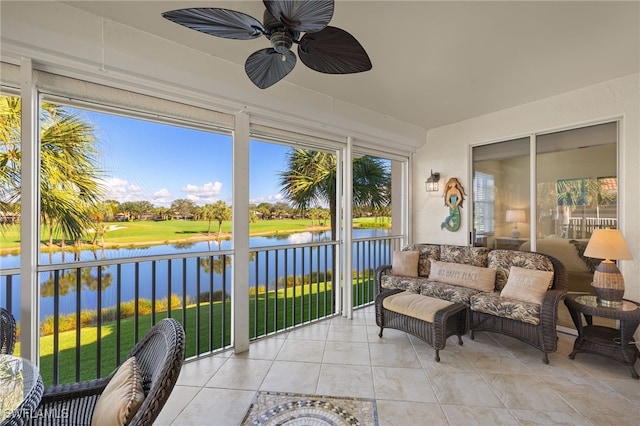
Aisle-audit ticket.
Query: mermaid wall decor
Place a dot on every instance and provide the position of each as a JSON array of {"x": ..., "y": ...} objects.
[{"x": 453, "y": 198}]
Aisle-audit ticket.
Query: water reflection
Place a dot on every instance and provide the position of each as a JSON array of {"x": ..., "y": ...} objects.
[{"x": 204, "y": 279}]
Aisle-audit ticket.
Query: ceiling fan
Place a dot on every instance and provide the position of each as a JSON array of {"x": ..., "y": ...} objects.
[{"x": 322, "y": 48}]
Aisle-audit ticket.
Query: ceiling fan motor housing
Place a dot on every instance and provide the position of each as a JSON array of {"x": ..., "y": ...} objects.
[
  {"x": 280, "y": 36},
  {"x": 281, "y": 41}
]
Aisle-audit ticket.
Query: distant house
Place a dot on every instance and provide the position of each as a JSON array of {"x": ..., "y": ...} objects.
[{"x": 9, "y": 217}]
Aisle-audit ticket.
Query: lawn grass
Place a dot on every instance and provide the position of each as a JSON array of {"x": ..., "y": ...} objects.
[{"x": 268, "y": 313}]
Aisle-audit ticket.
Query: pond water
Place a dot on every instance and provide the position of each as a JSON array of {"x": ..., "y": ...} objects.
[{"x": 170, "y": 277}]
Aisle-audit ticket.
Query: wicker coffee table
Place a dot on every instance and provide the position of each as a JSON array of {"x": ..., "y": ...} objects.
[
  {"x": 616, "y": 344},
  {"x": 446, "y": 321}
]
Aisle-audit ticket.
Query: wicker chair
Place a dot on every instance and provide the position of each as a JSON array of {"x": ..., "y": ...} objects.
[
  {"x": 159, "y": 355},
  {"x": 7, "y": 332}
]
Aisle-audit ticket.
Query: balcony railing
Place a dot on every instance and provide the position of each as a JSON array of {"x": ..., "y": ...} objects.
[{"x": 94, "y": 312}]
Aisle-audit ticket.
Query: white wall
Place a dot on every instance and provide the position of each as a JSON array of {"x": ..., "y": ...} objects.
[{"x": 447, "y": 150}]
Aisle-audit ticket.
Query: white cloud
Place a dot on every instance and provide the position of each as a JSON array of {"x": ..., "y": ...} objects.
[
  {"x": 162, "y": 193},
  {"x": 268, "y": 199},
  {"x": 121, "y": 190},
  {"x": 206, "y": 193},
  {"x": 162, "y": 197}
]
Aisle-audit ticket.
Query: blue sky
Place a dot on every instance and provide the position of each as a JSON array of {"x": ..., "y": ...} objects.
[{"x": 160, "y": 163}]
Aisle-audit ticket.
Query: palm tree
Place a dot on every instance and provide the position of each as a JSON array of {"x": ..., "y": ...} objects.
[
  {"x": 69, "y": 175},
  {"x": 310, "y": 179},
  {"x": 207, "y": 212},
  {"x": 9, "y": 152},
  {"x": 101, "y": 213},
  {"x": 219, "y": 211}
]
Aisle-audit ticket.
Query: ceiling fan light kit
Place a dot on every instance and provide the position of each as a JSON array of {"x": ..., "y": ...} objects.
[{"x": 322, "y": 48}]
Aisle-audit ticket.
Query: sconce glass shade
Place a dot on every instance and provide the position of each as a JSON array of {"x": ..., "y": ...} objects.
[
  {"x": 608, "y": 282},
  {"x": 431, "y": 185}
]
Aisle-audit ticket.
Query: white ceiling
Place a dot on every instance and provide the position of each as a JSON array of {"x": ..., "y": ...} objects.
[{"x": 438, "y": 62}]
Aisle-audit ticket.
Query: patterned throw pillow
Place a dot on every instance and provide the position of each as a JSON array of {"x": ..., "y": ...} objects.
[
  {"x": 527, "y": 285},
  {"x": 475, "y": 277},
  {"x": 405, "y": 263}
]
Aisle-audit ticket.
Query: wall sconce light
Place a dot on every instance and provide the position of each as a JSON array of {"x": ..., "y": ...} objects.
[{"x": 431, "y": 185}]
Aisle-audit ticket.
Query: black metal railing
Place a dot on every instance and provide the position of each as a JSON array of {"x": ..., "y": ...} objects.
[
  {"x": 368, "y": 254},
  {"x": 94, "y": 312},
  {"x": 291, "y": 285}
]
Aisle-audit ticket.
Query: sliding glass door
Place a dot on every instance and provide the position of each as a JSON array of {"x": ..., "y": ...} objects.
[
  {"x": 501, "y": 194},
  {"x": 576, "y": 191}
]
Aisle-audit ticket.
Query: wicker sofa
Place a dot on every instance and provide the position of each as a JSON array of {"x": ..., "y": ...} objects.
[{"x": 498, "y": 307}]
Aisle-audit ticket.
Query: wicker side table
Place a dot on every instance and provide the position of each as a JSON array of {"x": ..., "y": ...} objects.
[
  {"x": 616, "y": 344},
  {"x": 20, "y": 390}
]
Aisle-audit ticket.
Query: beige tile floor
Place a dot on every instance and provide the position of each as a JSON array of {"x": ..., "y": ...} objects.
[{"x": 492, "y": 380}]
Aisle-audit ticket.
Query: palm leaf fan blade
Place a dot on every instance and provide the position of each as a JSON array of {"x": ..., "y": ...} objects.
[
  {"x": 333, "y": 51},
  {"x": 303, "y": 16},
  {"x": 266, "y": 67},
  {"x": 217, "y": 22}
]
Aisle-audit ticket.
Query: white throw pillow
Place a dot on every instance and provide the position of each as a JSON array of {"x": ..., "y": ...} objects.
[
  {"x": 527, "y": 285},
  {"x": 405, "y": 263},
  {"x": 121, "y": 398},
  {"x": 464, "y": 275}
]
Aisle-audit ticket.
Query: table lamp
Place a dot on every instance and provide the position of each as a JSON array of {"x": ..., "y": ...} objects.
[
  {"x": 608, "y": 282},
  {"x": 515, "y": 216}
]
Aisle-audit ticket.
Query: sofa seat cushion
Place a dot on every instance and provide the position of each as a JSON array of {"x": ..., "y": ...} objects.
[
  {"x": 450, "y": 292},
  {"x": 493, "y": 304},
  {"x": 403, "y": 283},
  {"x": 414, "y": 305}
]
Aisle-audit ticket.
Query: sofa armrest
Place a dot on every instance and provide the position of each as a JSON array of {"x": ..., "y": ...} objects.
[
  {"x": 560, "y": 275},
  {"x": 549, "y": 315},
  {"x": 550, "y": 303},
  {"x": 380, "y": 271}
]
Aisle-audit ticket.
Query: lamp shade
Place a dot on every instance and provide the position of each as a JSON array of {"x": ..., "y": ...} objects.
[
  {"x": 515, "y": 216},
  {"x": 607, "y": 244}
]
